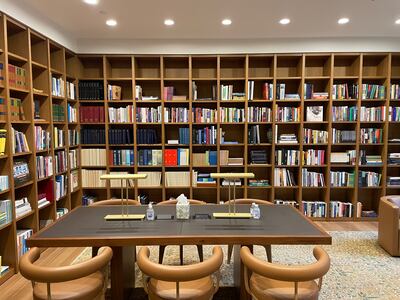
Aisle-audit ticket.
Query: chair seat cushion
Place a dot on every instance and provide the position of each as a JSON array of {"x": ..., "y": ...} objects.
[
  {"x": 196, "y": 289},
  {"x": 85, "y": 288},
  {"x": 265, "y": 288}
]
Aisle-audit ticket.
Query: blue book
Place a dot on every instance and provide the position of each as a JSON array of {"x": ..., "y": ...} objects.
[{"x": 212, "y": 158}]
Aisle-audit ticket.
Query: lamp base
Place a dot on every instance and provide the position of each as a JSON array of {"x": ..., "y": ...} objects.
[
  {"x": 124, "y": 217},
  {"x": 232, "y": 215}
]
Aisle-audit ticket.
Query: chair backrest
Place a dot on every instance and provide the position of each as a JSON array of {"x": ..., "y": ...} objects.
[
  {"x": 45, "y": 274},
  {"x": 249, "y": 201},
  {"x": 288, "y": 273},
  {"x": 179, "y": 273},
  {"x": 114, "y": 202},
  {"x": 392, "y": 199},
  {"x": 173, "y": 202}
]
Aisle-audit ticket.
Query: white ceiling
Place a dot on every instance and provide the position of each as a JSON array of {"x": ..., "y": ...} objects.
[{"x": 252, "y": 19}]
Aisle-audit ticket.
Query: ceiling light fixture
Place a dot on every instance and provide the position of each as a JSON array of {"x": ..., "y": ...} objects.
[
  {"x": 284, "y": 21},
  {"x": 226, "y": 22},
  {"x": 342, "y": 21},
  {"x": 169, "y": 22},
  {"x": 111, "y": 22},
  {"x": 91, "y": 2},
  {"x": 397, "y": 22}
]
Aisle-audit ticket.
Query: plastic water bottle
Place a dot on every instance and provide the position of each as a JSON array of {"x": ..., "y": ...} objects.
[
  {"x": 256, "y": 212},
  {"x": 252, "y": 209},
  {"x": 150, "y": 213}
]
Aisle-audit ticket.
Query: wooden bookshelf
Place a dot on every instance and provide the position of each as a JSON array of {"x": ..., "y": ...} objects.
[{"x": 43, "y": 59}]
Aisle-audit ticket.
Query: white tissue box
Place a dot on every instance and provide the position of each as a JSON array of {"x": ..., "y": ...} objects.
[{"x": 182, "y": 211}]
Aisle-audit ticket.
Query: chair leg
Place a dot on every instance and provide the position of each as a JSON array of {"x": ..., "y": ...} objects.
[
  {"x": 268, "y": 250},
  {"x": 230, "y": 251},
  {"x": 161, "y": 254},
  {"x": 94, "y": 251},
  {"x": 200, "y": 252},
  {"x": 181, "y": 254}
]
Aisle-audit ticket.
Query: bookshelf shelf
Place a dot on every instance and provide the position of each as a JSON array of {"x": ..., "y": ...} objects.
[
  {"x": 5, "y": 226},
  {"x": 22, "y": 154},
  {"x": 4, "y": 192},
  {"x": 24, "y": 216}
]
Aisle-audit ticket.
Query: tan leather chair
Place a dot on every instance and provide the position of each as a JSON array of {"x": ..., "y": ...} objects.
[
  {"x": 83, "y": 281},
  {"x": 191, "y": 282},
  {"x": 273, "y": 281},
  {"x": 114, "y": 202},
  {"x": 389, "y": 224},
  {"x": 162, "y": 248},
  {"x": 268, "y": 249}
]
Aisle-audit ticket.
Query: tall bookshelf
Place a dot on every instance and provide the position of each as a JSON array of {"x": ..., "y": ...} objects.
[{"x": 42, "y": 59}]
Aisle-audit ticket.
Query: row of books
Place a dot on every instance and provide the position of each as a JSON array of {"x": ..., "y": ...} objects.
[
  {"x": 168, "y": 94},
  {"x": 254, "y": 136},
  {"x": 121, "y": 157},
  {"x": 5, "y": 211},
  {"x": 259, "y": 114},
  {"x": 315, "y": 113},
  {"x": 16, "y": 109},
  {"x": 283, "y": 177},
  {"x": 73, "y": 159},
  {"x": 232, "y": 114},
  {"x": 372, "y": 160},
  {"x": 121, "y": 114},
  {"x": 91, "y": 114},
  {"x": 17, "y": 77},
  {"x": 227, "y": 93},
  {"x": 93, "y": 136},
  {"x": 395, "y": 91},
  {"x": 176, "y": 157},
  {"x": 3, "y": 109},
  {"x": 57, "y": 86},
  {"x": 314, "y": 136},
  {"x": 286, "y": 138},
  {"x": 72, "y": 114},
  {"x": 71, "y": 92},
  {"x": 59, "y": 139},
  {"x": 22, "y": 236},
  {"x": 4, "y": 183},
  {"x": 312, "y": 179},
  {"x": 314, "y": 209},
  {"x": 347, "y": 157},
  {"x": 344, "y": 113},
  {"x": 281, "y": 93},
  {"x": 267, "y": 90},
  {"x": 149, "y": 114},
  {"x": 73, "y": 137},
  {"x": 258, "y": 156},
  {"x": 19, "y": 141},
  {"x": 74, "y": 180},
  {"x": 204, "y": 115},
  {"x": 369, "y": 179},
  {"x": 61, "y": 211},
  {"x": 208, "y": 158},
  {"x": 373, "y": 91},
  {"x": 176, "y": 115},
  {"x": 343, "y": 136},
  {"x": 147, "y": 136},
  {"x": 372, "y": 114},
  {"x": 114, "y": 92},
  {"x": 91, "y": 90},
  {"x": 309, "y": 92},
  {"x": 394, "y": 114},
  {"x": 341, "y": 179},
  {"x": 287, "y": 114},
  {"x": 22, "y": 207},
  {"x": 312, "y": 157},
  {"x": 44, "y": 166},
  {"x": 371, "y": 135},
  {"x": 88, "y": 199},
  {"x": 344, "y": 91},
  {"x": 58, "y": 113},
  {"x": 120, "y": 136},
  {"x": 339, "y": 209},
  {"x": 258, "y": 182},
  {"x": 94, "y": 157},
  {"x": 150, "y": 157},
  {"x": 287, "y": 157},
  {"x": 206, "y": 136},
  {"x": 42, "y": 139},
  {"x": 61, "y": 184},
  {"x": 60, "y": 161}
]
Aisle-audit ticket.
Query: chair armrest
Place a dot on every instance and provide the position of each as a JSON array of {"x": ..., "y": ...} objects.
[{"x": 388, "y": 226}]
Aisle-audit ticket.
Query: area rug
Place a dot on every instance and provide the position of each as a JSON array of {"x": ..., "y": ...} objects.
[{"x": 360, "y": 269}]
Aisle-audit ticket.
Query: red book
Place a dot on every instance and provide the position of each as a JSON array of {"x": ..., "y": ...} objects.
[
  {"x": 265, "y": 91},
  {"x": 171, "y": 157}
]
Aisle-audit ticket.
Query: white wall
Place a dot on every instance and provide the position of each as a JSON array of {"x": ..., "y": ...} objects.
[
  {"x": 239, "y": 46},
  {"x": 38, "y": 23}
]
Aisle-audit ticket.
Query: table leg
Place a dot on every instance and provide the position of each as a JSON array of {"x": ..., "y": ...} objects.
[
  {"x": 122, "y": 271},
  {"x": 238, "y": 274}
]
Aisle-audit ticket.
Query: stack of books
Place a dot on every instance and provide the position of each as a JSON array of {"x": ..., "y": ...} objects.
[
  {"x": 394, "y": 158},
  {"x": 393, "y": 181},
  {"x": 258, "y": 156},
  {"x": 5, "y": 211},
  {"x": 42, "y": 200},
  {"x": 286, "y": 202},
  {"x": 287, "y": 138},
  {"x": 258, "y": 182},
  {"x": 347, "y": 157},
  {"x": 203, "y": 180},
  {"x": 22, "y": 207},
  {"x": 235, "y": 182},
  {"x": 371, "y": 160}
]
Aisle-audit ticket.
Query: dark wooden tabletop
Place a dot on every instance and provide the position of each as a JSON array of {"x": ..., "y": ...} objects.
[{"x": 85, "y": 226}]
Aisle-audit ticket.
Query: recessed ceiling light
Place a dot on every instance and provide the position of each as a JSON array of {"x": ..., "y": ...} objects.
[
  {"x": 226, "y": 22},
  {"x": 91, "y": 2},
  {"x": 111, "y": 22},
  {"x": 342, "y": 21},
  {"x": 169, "y": 22},
  {"x": 284, "y": 21},
  {"x": 397, "y": 22}
]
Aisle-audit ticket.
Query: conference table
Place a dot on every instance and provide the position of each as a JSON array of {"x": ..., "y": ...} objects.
[{"x": 86, "y": 227}]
